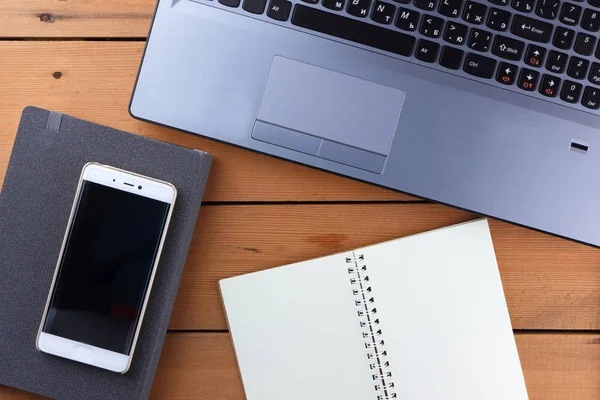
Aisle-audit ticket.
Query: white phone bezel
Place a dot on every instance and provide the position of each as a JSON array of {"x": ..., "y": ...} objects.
[{"x": 128, "y": 182}]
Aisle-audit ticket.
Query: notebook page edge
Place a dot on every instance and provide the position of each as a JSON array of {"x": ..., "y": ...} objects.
[
  {"x": 357, "y": 360},
  {"x": 380, "y": 280}
]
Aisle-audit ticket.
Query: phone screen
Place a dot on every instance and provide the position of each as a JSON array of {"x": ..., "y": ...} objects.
[{"x": 106, "y": 267}]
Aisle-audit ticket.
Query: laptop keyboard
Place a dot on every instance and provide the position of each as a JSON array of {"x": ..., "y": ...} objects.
[{"x": 543, "y": 48}]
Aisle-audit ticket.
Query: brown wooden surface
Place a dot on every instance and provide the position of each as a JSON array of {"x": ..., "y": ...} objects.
[
  {"x": 75, "y": 19},
  {"x": 202, "y": 366},
  {"x": 264, "y": 212},
  {"x": 556, "y": 367},
  {"x": 550, "y": 283}
]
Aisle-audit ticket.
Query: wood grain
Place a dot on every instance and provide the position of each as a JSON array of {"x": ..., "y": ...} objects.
[
  {"x": 72, "y": 18},
  {"x": 202, "y": 366},
  {"x": 549, "y": 283},
  {"x": 96, "y": 83},
  {"x": 7, "y": 393},
  {"x": 561, "y": 366}
]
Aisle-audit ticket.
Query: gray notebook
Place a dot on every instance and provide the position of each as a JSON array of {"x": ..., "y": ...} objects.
[{"x": 49, "y": 153}]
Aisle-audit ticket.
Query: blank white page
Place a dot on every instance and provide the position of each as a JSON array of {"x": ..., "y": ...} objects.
[
  {"x": 296, "y": 332},
  {"x": 444, "y": 317}
]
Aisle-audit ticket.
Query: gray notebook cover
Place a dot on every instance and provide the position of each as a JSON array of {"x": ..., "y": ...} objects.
[{"x": 49, "y": 153}]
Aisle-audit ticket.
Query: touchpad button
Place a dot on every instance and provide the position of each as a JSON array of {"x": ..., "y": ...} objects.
[
  {"x": 326, "y": 104},
  {"x": 286, "y": 138}
]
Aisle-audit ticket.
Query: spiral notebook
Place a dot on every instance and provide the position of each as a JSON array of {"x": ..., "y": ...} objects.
[{"x": 418, "y": 318}]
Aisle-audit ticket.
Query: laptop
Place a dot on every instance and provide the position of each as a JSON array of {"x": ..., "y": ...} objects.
[{"x": 489, "y": 106}]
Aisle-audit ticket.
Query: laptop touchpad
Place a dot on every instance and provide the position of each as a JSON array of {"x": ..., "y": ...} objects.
[{"x": 328, "y": 114}]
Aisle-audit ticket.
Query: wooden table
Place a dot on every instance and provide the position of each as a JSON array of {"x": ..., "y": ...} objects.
[{"x": 81, "y": 57}]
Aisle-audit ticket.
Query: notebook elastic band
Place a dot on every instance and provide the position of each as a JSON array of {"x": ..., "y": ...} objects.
[{"x": 54, "y": 119}]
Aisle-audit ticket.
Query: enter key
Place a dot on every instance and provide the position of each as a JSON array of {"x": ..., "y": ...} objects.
[{"x": 531, "y": 29}]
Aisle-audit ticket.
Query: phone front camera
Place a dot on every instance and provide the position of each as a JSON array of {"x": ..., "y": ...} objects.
[{"x": 140, "y": 187}]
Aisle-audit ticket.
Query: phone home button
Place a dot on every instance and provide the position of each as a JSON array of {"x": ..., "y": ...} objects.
[{"x": 83, "y": 353}]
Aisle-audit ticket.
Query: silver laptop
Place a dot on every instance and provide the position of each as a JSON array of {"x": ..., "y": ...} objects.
[{"x": 490, "y": 106}]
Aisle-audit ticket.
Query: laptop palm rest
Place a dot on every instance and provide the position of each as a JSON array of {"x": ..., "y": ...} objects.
[{"x": 328, "y": 114}]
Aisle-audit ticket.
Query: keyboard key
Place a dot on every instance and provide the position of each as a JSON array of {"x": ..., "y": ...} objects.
[
  {"x": 591, "y": 98},
  {"x": 563, "y": 38},
  {"x": 336, "y": 5},
  {"x": 570, "y": 13},
  {"x": 525, "y": 6},
  {"x": 535, "y": 55},
  {"x": 407, "y": 19},
  {"x": 480, "y": 40},
  {"x": 532, "y": 29},
  {"x": 358, "y": 8},
  {"x": 547, "y": 8},
  {"x": 427, "y": 5},
  {"x": 254, "y": 6},
  {"x": 591, "y": 20},
  {"x": 455, "y": 33},
  {"x": 528, "y": 79},
  {"x": 311, "y": 1},
  {"x": 431, "y": 26},
  {"x": 230, "y": 3},
  {"x": 598, "y": 50},
  {"x": 556, "y": 62},
  {"x": 571, "y": 91},
  {"x": 353, "y": 30},
  {"x": 549, "y": 85},
  {"x": 402, "y": 1},
  {"x": 474, "y": 12},
  {"x": 451, "y": 57},
  {"x": 427, "y": 51},
  {"x": 594, "y": 76},
  {"x": 578, "y": 68},
  {"x": 508, "y": 48},
  {"x": 383, "y": 12},
  {"x": 507, "y": 73},
  {"x": 480, "y": 66},
  {"x": 499, "y": 2},
  {"x": 498, "y": 19},
  {"x": 594, "y": 3},
  {"x": 450, "y": 8},
  {"x": 279, "y": 9},
  {"x": 584, "y": 44}
]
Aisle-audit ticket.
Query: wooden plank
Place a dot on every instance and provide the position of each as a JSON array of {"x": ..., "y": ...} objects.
[
  {"x": 203, "y": 366},
  {"x": 70, "y": 18},
  {"x": 550, "y": 283},
  {"x": 560, "y": 366},
  {"x": 95, "y": 84},
  {"x": 198, "y": 366},
  {"x": 7, "y": 393}
]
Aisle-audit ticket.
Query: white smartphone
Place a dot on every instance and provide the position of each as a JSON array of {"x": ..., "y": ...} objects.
[{"x": 106, "y": 267}]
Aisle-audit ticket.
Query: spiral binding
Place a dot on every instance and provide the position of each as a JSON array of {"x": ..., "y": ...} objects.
[{"x": 369, "y": 321}]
